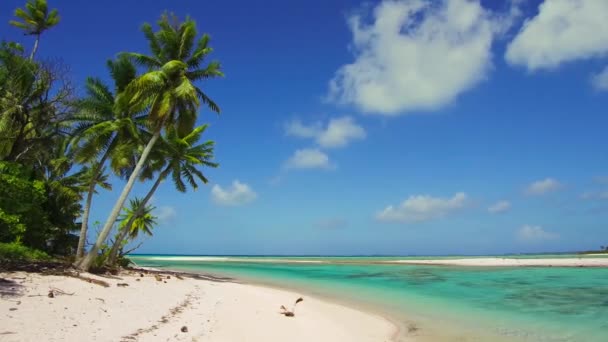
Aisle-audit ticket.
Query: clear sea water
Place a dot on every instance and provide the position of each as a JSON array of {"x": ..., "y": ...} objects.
[{"x": 436, "y": 303}]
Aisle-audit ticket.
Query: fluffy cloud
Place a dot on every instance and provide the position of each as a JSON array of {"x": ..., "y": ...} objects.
[
  {"x": 600, "y": 80},
  {"x": 542, "y": 187},
  {"x": 530, "y": 233},
  {"x": 308, "y": 158},
  {"x": 563, "y": 31},
  {"x": 237, "y": 194},
  {"x": 165, "y": 214},
  {"x": 416, "y": 55},
  {"x": 422, "y": 208},
  {"x": 338, "y": 132},
  {"x": 499, "y": 207}
]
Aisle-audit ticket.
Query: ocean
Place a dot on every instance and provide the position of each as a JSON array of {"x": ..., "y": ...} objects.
[{"x": 434, "y": 303}]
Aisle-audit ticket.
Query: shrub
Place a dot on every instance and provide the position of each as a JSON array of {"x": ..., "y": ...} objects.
[{"x": 17, "y": 252}]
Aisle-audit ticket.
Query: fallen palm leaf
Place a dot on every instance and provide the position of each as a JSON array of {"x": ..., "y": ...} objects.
[{"x": 291, "y": 313}]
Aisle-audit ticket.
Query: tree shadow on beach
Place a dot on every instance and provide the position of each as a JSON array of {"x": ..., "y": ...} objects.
[{"x": 10, "y": 288}]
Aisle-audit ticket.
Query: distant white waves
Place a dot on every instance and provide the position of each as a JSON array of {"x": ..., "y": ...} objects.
[{"x": 226, "y": 259}]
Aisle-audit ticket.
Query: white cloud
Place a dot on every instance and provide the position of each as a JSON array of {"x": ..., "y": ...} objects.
[
  {"x": 590, "y": 195},
  {"x": 543, "y": 186},
  {"x": 422, "y": 208},
  {"x": 530, "y": 233},
  {"x": 600, "y": 80},
  {"x": 165, "y": 214},
  {"x": 237, "y": 194},
  {"x": 563, "y": 31},
  {"x": 308, "y": 158},
  {"x": 499, "y": 207},
  {"x": 601, "y": 179},
  {"x": 417, "y": 55},
  {"x": 338, "y": 133}
]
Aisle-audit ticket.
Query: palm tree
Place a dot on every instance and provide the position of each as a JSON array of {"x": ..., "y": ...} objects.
[
  {"x": 178, "y": 157},
  {"x": 169, "y": 91},
  {"x": 35, "y": 19},
  {"x": 141, "y": 218},
  {"x": 106, "y": 129}
]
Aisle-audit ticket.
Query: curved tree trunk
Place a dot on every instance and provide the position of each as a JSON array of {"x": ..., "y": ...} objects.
[
  {"x": 87, "y": 207},
  {"x": 86, "y": 262},
  {"x": 125, "y": 231},
  {"x": 35, "y": 47}
]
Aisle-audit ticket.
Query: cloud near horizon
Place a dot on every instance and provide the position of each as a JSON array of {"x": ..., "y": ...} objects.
[
  {"x": 237, "y": 194},
  {"x": 309, "y": 158},
  {"x": 417, "y": 55},
  {"x": 499, "y": 207},
  {"x": 331, "y": 223},
  {"x": 542, "y": 187},
  {"x": 529, "y": 233},
  {"x": 563, "y": 31},
  {"x": 600, "y": 80},
  {"x": 165, "y": 213},
  {"x": 339, "y": 132},
  {"x": 422, "y": 208}
]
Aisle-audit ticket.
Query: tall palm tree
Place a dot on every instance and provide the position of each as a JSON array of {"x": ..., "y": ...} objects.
[
  {"x": 168, "y": 88},
  {"x": 178, "y": 157},
  {"x": 35, "y": 19},
  {"x": 106, "y": 129}
]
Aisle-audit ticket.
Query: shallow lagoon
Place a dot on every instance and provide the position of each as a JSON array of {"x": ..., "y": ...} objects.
[{"x": 442, "y": 302}]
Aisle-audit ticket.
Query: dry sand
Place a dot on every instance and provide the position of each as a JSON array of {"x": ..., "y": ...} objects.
[
  {"x": 491, "y": 262},
  {"x": 152, "y": 310}
]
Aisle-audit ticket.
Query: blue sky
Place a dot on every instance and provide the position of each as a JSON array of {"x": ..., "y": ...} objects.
[{"x": 391, "y": 127}]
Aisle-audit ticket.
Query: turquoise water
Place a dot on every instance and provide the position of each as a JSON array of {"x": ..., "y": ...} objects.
[{"x": 444, "y": 302}]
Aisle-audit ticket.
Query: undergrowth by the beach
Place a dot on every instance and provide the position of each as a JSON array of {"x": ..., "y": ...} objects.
[{"x": 16, "y": 252}]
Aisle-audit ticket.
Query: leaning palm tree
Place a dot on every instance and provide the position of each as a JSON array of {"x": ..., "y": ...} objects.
[
  {"x": 168, "y": 88},
  {"x": 35, "y": 19},
  {"x": 106, "y": 129},
  {"x": 176, "y": 156}
]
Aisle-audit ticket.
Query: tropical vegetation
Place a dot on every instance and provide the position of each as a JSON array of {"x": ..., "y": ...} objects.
[{"x": 59, "y": 149}]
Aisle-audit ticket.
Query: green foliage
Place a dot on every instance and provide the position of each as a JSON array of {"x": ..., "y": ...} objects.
[
  {"x": 22, "y": 214},
  {"x": 35, "y": 18},
  {"x": 55, "y": 148},
  {"x": 173, "y": 66},
  {"x": 34, "y": 106},
  {"x": 17, "y": 252},
  {"x": 137, "y": 218}
]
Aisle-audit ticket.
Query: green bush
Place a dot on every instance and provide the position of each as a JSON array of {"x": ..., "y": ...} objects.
[{"x": 17, "y": 252}]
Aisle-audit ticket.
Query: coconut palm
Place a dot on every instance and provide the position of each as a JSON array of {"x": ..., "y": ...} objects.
[
  {"x": 35, "y": 19},
  {"x": 140, "y": 219},
  {"x": 34, "y": 105},
  {"x": 106, "y": 129},
  {"x": 169, "y": 91},
  {"x": 176, "y": 156}
]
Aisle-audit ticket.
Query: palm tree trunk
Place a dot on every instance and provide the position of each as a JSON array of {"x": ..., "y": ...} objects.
[
  {"x": 35, "y": 47},
  {"x": 87, "y": 207},
  {"x": 125, "y": 231},
  {"x": 86, "y": 262}
]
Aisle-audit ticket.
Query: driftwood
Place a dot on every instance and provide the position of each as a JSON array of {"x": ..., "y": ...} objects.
[
  {"x": 291, "y": 313},
  {"x": 88, "y": 279},
  {"x": 53, "y": 291}
]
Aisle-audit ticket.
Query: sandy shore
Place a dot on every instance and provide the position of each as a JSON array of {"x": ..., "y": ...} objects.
[
  {"x": 147, "y": 309},
  {"x": 490, "y": 262}
]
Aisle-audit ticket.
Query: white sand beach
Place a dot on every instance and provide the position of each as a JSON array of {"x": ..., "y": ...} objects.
[
  {"x": 147, "y": 309},
  {"x": 490, "y": 262}
]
